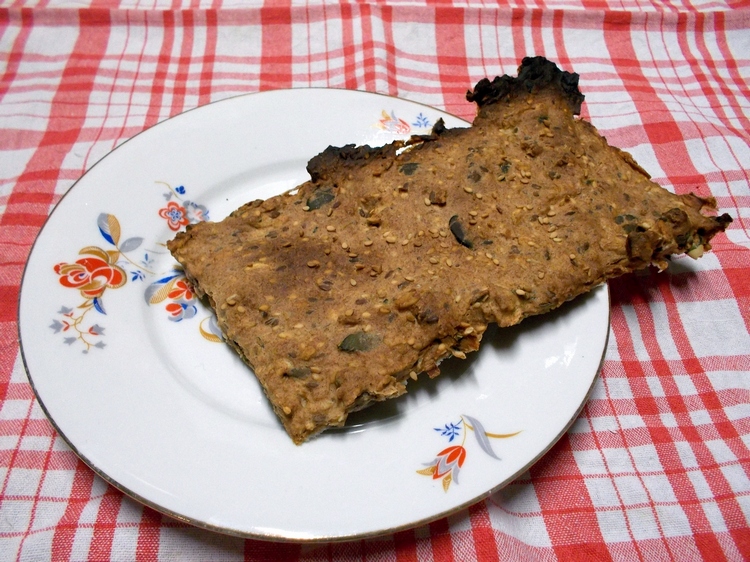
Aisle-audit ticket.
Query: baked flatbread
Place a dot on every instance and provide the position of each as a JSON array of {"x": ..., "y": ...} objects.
[{"x": 392, "y": 259}]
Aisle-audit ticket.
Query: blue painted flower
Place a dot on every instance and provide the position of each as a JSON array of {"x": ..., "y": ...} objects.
[{"x": 451, "y": 430}]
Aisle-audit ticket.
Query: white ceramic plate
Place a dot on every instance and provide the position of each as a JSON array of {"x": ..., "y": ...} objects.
[{"x": 125, "y": 361}]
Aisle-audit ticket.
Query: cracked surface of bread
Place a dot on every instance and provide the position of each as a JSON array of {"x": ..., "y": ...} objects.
[{"x": 392, "y": 259}]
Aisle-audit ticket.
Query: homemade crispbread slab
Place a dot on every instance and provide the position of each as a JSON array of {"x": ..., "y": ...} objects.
[{"x": 390, "y": 260}]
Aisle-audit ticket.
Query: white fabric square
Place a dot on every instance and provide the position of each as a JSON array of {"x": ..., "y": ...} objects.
[
  {"x": 714, "y": 330},
  {"x": 35, "y": 443},
  {"x": 15, "y": 515},
  {"x": 14, "y": 409},
  {"x": 9, "y": 442},
  {"x": 738, "y": 411},
  {"x": 124, "y": 543},
  {"x": 37, "y": 546},
  {"x": 518, "y": 498},
  {"x": 57, "y": 484},
  {"x": 685, "y": 385},
  {"x": 635, "y": 331},
  {"x": 9, "y": 545},
  {"x": 631, "y": 421},
  {"x": 654, "y": 385},
  {"x": 619, "y": 387},
  {"x": 700, "y": 417},
  {"x": 613, "y": 525},
  {"x": 618, "y": 460},
  {"x": 668, "y": 419},
  {"x": 663, "y": 331},
  {"x": 646, "y": 458},
  {"x": 643, "y": 523},
  {"x": 604, "y": 423},
  {"x": 23, "y": 482},
  {"x": 686, "y": 453},
  {"x": 721, "y": 451},
  {"x": 590, "y": 462},
  {"x": 700, "y": 485},
  {"x": 659, "y": 488},
  {"x": 48, "y": 514},
  {"x": 528, "y": 529},
  {"x": 82, "y": 541},
  {"x": 714, "y": 516},
  {"x": 631, "y": 490},
  {"x": 674, "y": 522},
  {"x": 737, "y": 478},
  {"x": 602, "y": 492}
]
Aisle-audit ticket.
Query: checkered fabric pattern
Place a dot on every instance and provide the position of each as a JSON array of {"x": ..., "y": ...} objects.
[{"x": 657, "y": 466}]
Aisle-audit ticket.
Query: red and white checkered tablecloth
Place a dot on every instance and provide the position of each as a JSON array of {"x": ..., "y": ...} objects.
[{"x": 657, "y": 466}]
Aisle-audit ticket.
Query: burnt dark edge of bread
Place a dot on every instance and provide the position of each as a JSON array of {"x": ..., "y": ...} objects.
[{"x": 534, "y": 74}]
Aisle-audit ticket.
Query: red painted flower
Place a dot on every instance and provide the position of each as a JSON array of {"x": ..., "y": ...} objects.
[
  {"x": 181, "y": 291},
  {"x": 175, "y": 214},
  {"x": 91, "y": 274},
  {"x": 446, "y": 465},
  {"x": 449, "y": 461}
]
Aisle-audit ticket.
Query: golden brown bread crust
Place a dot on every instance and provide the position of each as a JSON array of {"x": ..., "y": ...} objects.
[{"x": 390, "y": 260}]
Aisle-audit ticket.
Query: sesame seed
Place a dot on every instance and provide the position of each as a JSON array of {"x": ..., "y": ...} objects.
[
  {"x": 413, "y": 375},
  {"x": 520, "y": 292},
  {"x": 331, "y": 228},
  {"x": 368, "y": 242},
  {"x": 313, "y": 263},
  {"x": 391, "y": 239},
  {"x": 299, "y": 325},
  {"x": 352, "y": 282},
  {"x": 467, "y": 189},
  {"x": 345, "y": 246},
  {"x": 427, "y": 201},
  {"x": 287, "y": 410}
]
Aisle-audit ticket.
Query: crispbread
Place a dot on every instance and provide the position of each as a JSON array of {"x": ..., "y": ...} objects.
[{"x": 392, "y": 259}]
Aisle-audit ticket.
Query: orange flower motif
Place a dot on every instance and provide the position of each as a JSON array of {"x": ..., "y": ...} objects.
[
  {"x": 446, "y": 465},
  {"x": 91, "y": 274},
  {"x": 181, "y": 290},
  {"x": 175, "y": 214}
]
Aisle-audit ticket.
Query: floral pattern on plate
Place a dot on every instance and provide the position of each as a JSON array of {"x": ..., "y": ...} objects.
[
  {"x": 100, "y": 270},
  {"x": 389, "y": 122},
  {"x": 448, "y": 462}
]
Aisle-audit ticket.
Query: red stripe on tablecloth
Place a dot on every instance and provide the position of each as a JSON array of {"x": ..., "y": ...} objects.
[
  {"x": 555, "y": 471},
  {"x": 391, "y": 76},
  {"x": 662, "y": 131},
  {"x": 17, "y": 18},
  {"x": 349, "y": 48},
  {"x": 67, "y": 527},
  {"x": 451, "y": 57},
  {"x": 276, "y": 55},
  {"x": 483, "y": 534},
  {"x": 163, "y": 60},
  {"x": 664, "y": 443},
  {"x": 105, "y": 525},
  {"x": 441, "y": 541},
  {"x": 259, "y": 551},
  {"x": 405, "y": 546},
  {"x": 28, "y": 204},
  {"x": 210, "y": 25},
  {"x": 182, "y": 74},
  {"x": 149, "y": 532},
  {"x": 369, "y": 60},
  {"x": 732, "y": 512},
  {"x": 537, "y": 26}
]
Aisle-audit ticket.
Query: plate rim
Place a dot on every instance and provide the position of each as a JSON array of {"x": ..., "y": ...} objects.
[{"x": 273, "y": 537}]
